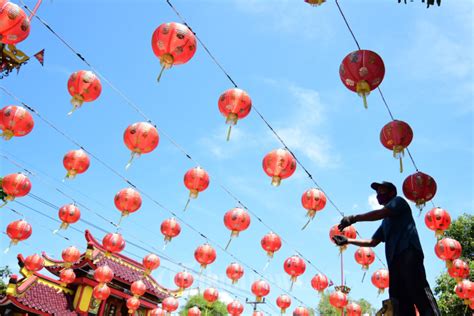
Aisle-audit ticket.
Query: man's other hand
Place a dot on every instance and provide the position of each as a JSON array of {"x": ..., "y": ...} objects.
[
  {"x": 345, "y": 222},
  {"x": 340, "y": 240}
]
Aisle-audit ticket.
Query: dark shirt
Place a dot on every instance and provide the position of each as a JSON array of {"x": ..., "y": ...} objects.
[{"x": 398, "y": 231}]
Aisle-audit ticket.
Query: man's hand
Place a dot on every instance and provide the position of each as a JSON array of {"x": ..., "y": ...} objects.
[
  {"x": 340, "y": 240},
  {"x": 345, "y": 222}
]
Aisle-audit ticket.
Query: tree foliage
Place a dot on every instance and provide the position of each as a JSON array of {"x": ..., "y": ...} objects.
[
  {"x": 461, "y": 229},
  {"x": 217, "y": 308},
  {"x": 4, "y": 273},
  {"x": 325, "y": 308}
]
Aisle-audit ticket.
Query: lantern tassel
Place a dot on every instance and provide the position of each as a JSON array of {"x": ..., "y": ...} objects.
[
  {"x": 363, "y": 277},
  {"x": 401, "y": 165},
  {"x": 364, "y": 98},
  {"x": 187, "y": 204},
  {"x": 228, "y": 243},
  {"x": 7, "y": 134},
  {"x": 161, "y": 73},
  {"x": 307, "y": 223},
  {"x": 266, "y": 264},
  {"x": 4, "y": 203},
  {"x": 13, "y": 242},
  {"x": 132, "y": 156},
  {"x": 293, "y": 280},
  {"x": 228, "y": 132}
]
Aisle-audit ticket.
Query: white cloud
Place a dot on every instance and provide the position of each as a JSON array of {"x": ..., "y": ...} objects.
[{"x": 373, "y": 203}]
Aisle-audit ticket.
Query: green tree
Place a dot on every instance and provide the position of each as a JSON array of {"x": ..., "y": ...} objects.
[
  {"x": 4, "y": 273},
  {"x": 217, "y": 308},
  {"x": 366, "y": 307},
  {"x": 3, "y": 195},
  {"x": 461, "y": 229}
]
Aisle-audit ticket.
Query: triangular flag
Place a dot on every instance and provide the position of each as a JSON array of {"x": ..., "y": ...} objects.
[{"x": 40, "y": 56}]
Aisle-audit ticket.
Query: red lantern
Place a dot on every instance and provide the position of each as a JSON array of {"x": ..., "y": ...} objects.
[
  {"x": 194, "y": 311},
  {"x": 205, "y": 255},
  {"x": 234, "y": 308},
  {"x": 294, "y": 266},
  {"x": 465, "y": 291},
  {"x": 257, "y": 313},
  {"x": 196, "y": 180},
  {"x": 170, "y": 228},
  {"x": 320, "y": 282},
  {"x": 364, "y": 256},
  {"x": 313, "y": 200},
  {"x": 234, "y": 104},
  {"x": 34, "y": 263},
  {"x": 127, "y": 201},
  {"x": 396, "y": 136},
  {"x": 174, "y": 44},
  {"x": 14, "y": 23},
  {"x": 459, "y": 270},
  {"x": 170, "y": 304},
  {"x": 419, "y": 188},
  {"x": 83, "y": 86},
  {"x": 380, "y": 279},
  {"x": 271, "y": 243},
  {"x": 353, "y": 309},
  {"x": 18, "y": 231},
  {"x": 151, "y": 262},
  {"x": 348, "y": 232},
  {"x": 15, "y": 121},
  {"x": 448, "y": 249},
  {"x": 183, "y": 280},
  {"x": 140, "y": 138},
  {"x": 283, "y": 302},
  {"x": 68, "y": 214},
  {"x": 279, "y": 164},
  {"x": 236, "y": 220},
  {"x": 70, "y": 256},
  {"x": 301, "y": 311},
  {"x": 260, "y": 289},
  {"x": 438, "y": 220},
  {"x": 362, "y": 71},
  {"x": 101, "y": 292},
  {"x": 138, "y": 288},
  {"x": 211, "y": 295},
  {"x": 103, "y": 274},
  {"x": 157, "y": 312},
  {"x": 15, "y": 185},
  {"x": 234, "y": 272},
  {"x": 315, "y": 3},
  {"x": 133, "y": 304},
  {"x": 67, "y": 276},
  {"x": 113, "y": 243},
  {"x": 338, "y": 299},
  {"x": 76, "y": 162}
]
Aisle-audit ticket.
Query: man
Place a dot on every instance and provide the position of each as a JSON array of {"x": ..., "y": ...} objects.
[{"x": 408, "y": 285}]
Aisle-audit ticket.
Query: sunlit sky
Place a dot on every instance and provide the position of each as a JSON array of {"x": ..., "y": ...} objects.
[{"x": 286, "y": 55}]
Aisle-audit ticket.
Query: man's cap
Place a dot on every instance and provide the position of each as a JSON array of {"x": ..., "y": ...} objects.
[{"x": 386, "y": 184}]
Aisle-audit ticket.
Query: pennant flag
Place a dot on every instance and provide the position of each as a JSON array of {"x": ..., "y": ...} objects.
[{"x": 40, "y": 56}]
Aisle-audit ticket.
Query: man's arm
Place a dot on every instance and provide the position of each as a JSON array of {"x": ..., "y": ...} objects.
[
  {"x": 372, "y": 215},
  {"x": 363, "y": 242}
]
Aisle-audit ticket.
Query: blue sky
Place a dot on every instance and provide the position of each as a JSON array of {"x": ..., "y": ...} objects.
[{"x": 286, "y": 56}]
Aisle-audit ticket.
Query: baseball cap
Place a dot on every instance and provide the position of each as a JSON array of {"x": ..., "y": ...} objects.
[{"x": 386, "y": 184}]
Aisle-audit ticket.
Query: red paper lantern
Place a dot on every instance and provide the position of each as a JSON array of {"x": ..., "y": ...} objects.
[
  {"x": 338, "y": 299},
  {"x": 353, "y": 309},
  {"x": 211, "y": 295},
  {"x": 448, "y": 249},
  {"x": 128, "y": 201},
  {"x": 138, "y": 288},
  {"x": 364, "y": 256},
  {"x": 459, "y": 270},
  {"x": 257, "y": 313},
  {"x": 271, "y": 243},
  {"x": 170, "y": 304},
  {"x": 15, "y": 121},
  {"x": 315, "y": 3},
  {"x": 174, "y": 44},
  {"x": 396, "y": 136},
  {"x": 260, "y": 288},
  {"x": 83, "y": 86},
  {"x": 140, "y": 138},
  {"x": 151, "y": 262},
  {"x": 320, "y": 282},
  {"x": 380, "y": 279},
  {"x": 113, "y": 243},
  {"x": 294, "y": 266},
  {"x": 15, "y": 185},
  {"x": 67, "y": 276},
  {"x": 68, "y": 214},
  {"x": 465, "y": 291},
  {"x": 196, "y": 180},
  {"x": 438, "y": 220},
  {"x": 76, "y": 162},
  {"x": 205, "y": 255},
  {"x": 170, "y": 228},
  {"x": 301, "y": 311},
  {"x": 313, "y": 200},
  {"x": 236, "y": 220},
  {"x": 234, "y": 272},
  {"x": 103, "y": 274},
  {"x": 419, "y": 188},
  {"x": 14, "y": 23},
  {"x": 101, "y": 292},
  {"x": 234, "y": 308},
  {"x": 34, "y": 263},
  {"x": 194, "y": 311},
  {"x": 279, "y": 164},
  {"x": 234, "y": 104},
  {"x": 362, "y": 71},
  {"x": 283, "y": 302},
  {"x": 133, "y": 304},
  {"x": 183, "y": 280},
  {"x": 18, "y": 231},
  {"x": 70, "y": 256},
  {"x": 348, "y": 232},
  {"x": 157, "y": 312}
]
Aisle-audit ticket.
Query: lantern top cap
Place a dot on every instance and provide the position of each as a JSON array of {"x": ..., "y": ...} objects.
[{"x": 385, "y": 184}]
